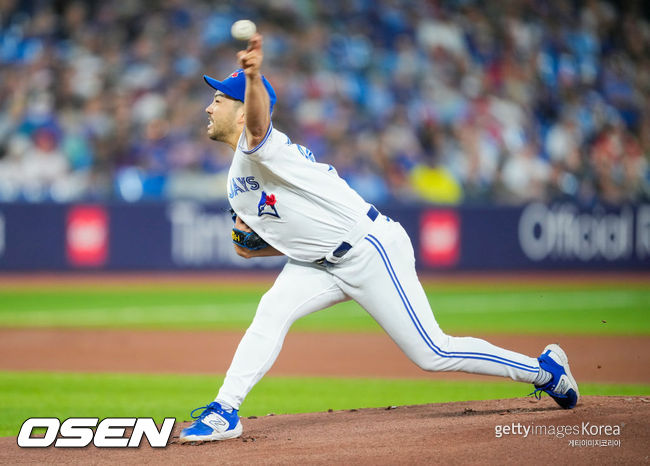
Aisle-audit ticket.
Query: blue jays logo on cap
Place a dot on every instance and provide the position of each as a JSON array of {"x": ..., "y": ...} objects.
[
  {"x": 234, "y": 86},
  {"x": 266, "y": 205}
]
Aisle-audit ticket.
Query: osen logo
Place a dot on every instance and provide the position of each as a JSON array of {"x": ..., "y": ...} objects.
[{"x": 77, "y": 432}]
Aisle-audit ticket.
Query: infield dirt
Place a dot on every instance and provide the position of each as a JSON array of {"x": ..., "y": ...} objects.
[
  {"x": 447, "y": 433},
  {"x": 593, "y": 358}
]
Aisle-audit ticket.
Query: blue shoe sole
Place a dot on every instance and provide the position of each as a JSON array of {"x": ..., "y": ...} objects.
[{"x": 228, "y": 434}]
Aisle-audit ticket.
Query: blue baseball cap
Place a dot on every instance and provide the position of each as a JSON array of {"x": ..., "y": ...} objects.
[{"x": 234, "y": 86}]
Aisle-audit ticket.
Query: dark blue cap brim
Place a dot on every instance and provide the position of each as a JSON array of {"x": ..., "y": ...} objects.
[
  {"x": 239, "y": 92},
  {"x": 219, "y": 86}
]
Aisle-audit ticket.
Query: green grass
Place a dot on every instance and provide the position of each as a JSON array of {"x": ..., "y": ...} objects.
[
  {"x": 64, "y": 395},
  {"x": 615, "y": 309}
]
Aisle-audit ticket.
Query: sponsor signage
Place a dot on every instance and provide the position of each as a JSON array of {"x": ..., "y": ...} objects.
[
  {"x": 87, "y": 236},
  {"x": 195, "y": 236},
  {"x": 563, "y": 233},
  {"x": 440, "y": 238}
]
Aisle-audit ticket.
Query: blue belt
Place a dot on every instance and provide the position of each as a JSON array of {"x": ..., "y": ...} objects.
[{"x": 344, "y": 247}]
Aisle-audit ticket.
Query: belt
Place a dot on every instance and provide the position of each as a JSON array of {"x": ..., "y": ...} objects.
[{"x": 345, "y": 246}]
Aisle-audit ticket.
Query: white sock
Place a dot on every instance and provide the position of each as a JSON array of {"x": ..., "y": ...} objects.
[
  {"x": 225, "y": 406},
  {"x": 543, "y": 377}
]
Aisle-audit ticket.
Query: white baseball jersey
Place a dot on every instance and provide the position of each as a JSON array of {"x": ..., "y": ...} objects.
[
  {"x": 303, "y": 209},
  {"x": 300, "y": 207}
]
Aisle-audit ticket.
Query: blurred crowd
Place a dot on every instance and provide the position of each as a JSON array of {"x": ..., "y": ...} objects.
[{"x": 443, "y": 102}]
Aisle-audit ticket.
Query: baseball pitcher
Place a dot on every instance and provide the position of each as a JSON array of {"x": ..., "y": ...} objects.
[{"x": 339, "y": 247}]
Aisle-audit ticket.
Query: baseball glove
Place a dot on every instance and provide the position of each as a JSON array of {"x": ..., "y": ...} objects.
[{"x": 248, "y": 240}]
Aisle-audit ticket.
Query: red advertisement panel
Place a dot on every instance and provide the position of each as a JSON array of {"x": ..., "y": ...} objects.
[
  {"x": 440, "y": 238},
  {"x": 87, "y": 236}
]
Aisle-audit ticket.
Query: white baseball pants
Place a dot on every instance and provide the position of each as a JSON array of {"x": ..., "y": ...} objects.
[{"x": 378, "y": 273}]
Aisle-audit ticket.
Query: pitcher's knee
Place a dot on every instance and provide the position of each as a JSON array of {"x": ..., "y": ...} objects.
[
  {"x": 270, "y": 299},
  {"x": 273, "y": 313},
  {"x": 271, "y": 305},
  {"x": 429, "y": 362},
  {"x": 435, "y": 356}
]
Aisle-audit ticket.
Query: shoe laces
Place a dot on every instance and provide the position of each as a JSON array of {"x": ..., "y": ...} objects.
[
  {"x": 537, "y": 393},
  {"x": 206, "y": 410}
]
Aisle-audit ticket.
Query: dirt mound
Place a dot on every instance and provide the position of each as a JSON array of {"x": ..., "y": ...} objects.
[{"x": 599, "y": 430}]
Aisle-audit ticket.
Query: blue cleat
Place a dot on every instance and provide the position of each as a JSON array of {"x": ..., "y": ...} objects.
[
  {"x": 562, "y": 387},
  {"x": 214, "y": 423}
]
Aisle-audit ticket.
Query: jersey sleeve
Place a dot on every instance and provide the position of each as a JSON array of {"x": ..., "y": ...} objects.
[{"x": 262, "y": 149}]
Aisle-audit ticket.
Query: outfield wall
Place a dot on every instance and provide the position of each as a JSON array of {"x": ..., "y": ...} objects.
[{"x": 193, "y": 236}]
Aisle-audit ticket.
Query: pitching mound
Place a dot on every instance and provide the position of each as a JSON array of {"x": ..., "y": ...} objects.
[{"x": 523, "y": 430}]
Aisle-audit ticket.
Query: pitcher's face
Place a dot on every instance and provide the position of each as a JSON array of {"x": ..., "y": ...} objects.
[{"x": 223, "y": 115}]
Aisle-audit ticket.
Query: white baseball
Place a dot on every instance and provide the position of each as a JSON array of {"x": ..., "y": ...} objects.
[{"x": 243, "y": 29}]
